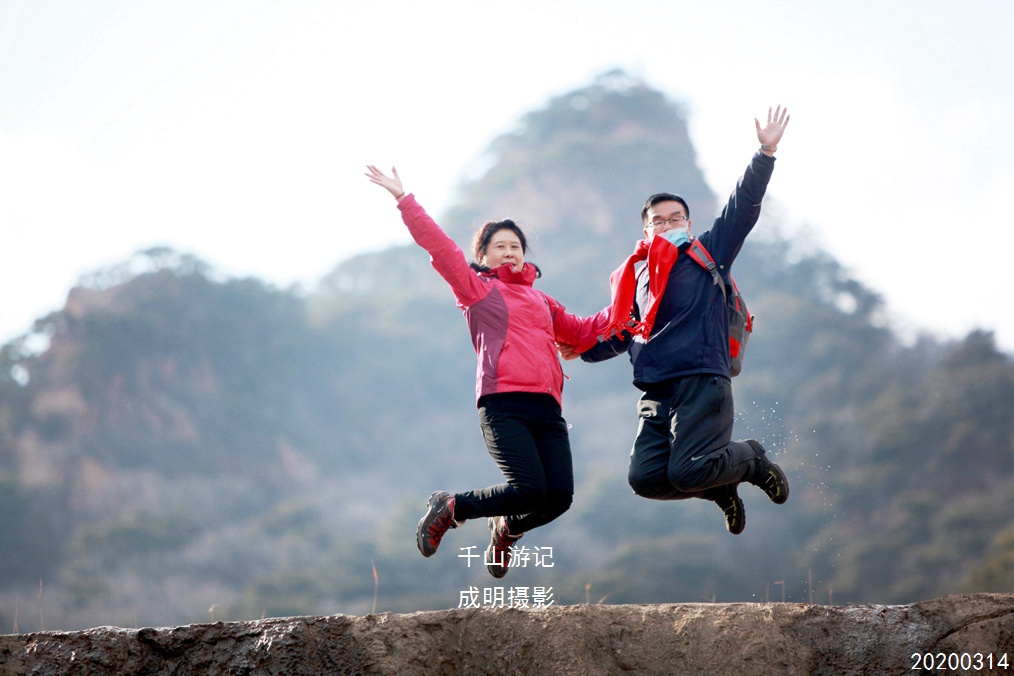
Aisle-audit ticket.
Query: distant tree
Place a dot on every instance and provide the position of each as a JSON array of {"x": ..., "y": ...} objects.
[{"x": 996, "y": 572}]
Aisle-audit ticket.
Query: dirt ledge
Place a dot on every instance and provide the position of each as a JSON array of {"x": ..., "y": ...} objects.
[{"x": 698, "y": 638}]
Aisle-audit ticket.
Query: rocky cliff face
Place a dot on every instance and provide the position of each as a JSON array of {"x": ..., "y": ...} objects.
[{"x": 974, "y": 633}]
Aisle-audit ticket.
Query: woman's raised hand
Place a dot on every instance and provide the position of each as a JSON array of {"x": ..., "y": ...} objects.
[{"x": 390, "y": 183}]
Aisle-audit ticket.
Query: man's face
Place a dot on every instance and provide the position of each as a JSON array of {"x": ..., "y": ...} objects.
[{"x": 665, "y": 216}]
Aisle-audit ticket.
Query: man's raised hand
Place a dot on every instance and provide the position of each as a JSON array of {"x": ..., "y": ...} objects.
[{"x": 771, "y": 133}]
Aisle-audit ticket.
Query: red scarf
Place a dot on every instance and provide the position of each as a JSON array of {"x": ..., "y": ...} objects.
[{"x": 661, "y": 255}]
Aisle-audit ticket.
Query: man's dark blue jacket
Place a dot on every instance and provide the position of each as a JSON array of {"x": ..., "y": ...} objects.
[{"x": 691, "y": 331}]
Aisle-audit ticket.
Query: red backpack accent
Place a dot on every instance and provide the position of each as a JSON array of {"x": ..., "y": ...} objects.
[{"x": 740, "y": 319}]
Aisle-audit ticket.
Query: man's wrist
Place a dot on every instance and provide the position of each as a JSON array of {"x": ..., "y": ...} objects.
[{"x": 768, "y": 150}]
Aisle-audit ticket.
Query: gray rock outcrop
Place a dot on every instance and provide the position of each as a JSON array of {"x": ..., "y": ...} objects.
[{"x": 695, "y": 638}]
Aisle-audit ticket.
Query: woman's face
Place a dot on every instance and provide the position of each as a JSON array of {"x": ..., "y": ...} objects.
[{"x": 504, "y": 247}]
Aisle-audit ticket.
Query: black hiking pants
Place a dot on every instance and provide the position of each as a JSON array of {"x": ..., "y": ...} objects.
[
  {"x": 684, "y": 443},
  {"x": 527, "y": 437}
]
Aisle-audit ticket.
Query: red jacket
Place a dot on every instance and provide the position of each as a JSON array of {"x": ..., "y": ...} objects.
[{"x": 514, "y": 326}]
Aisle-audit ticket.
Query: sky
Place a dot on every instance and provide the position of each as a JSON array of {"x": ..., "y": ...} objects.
[{"x": 239, "y": 130}]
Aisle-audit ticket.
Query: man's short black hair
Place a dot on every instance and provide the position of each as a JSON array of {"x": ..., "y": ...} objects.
[{"x": 662, "y": 197}]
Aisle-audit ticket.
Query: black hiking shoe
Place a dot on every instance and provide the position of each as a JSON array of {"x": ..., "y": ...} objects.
[
  {"x": 768, "y": 476},
  {"x": 439, "y": 517},
  {"x": 732, "y": 507},
  {"x": 498, "y": 554}
]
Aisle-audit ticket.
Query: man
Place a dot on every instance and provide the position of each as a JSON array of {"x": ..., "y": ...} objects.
[{"x": 670, "y": 317}]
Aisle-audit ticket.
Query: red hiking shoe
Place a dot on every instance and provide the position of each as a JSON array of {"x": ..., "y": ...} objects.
[
  {"x": 439, "y": 518},
  {"x": 498, "y": 554}
]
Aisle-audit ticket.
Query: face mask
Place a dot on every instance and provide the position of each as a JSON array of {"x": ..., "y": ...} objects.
[{"x": 677, "y": 236}]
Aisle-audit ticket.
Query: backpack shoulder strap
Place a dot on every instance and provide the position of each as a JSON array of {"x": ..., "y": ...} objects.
[{"x": 700, "y": 254}]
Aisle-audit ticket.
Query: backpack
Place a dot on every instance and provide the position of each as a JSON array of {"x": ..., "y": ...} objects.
[{"x": 740, "y": 319}]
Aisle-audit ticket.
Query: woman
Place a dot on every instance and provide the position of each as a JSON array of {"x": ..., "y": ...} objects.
[{"x": 519, "y": 380}]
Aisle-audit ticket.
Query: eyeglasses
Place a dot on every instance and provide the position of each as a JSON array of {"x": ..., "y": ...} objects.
[{"x": 675, "y": 220}]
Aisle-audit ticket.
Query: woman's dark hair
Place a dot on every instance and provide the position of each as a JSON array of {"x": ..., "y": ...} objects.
[
  {"x": 662, "y": 197},
  {"x": 485, "y": 234}
]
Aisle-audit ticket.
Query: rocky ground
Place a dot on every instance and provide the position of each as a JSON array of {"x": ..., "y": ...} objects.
[{"x": 973, "y": 633}]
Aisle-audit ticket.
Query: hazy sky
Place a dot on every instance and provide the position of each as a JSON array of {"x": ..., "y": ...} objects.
[{"x": 239, "y": 130}]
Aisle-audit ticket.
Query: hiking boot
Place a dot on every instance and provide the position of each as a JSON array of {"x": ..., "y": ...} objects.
[
  {"x": 439, "y": 517},
  {"x": 498, "y": 554},
  {"x": 768, "y": 476},
  {"x": 732, "y": 507}
]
